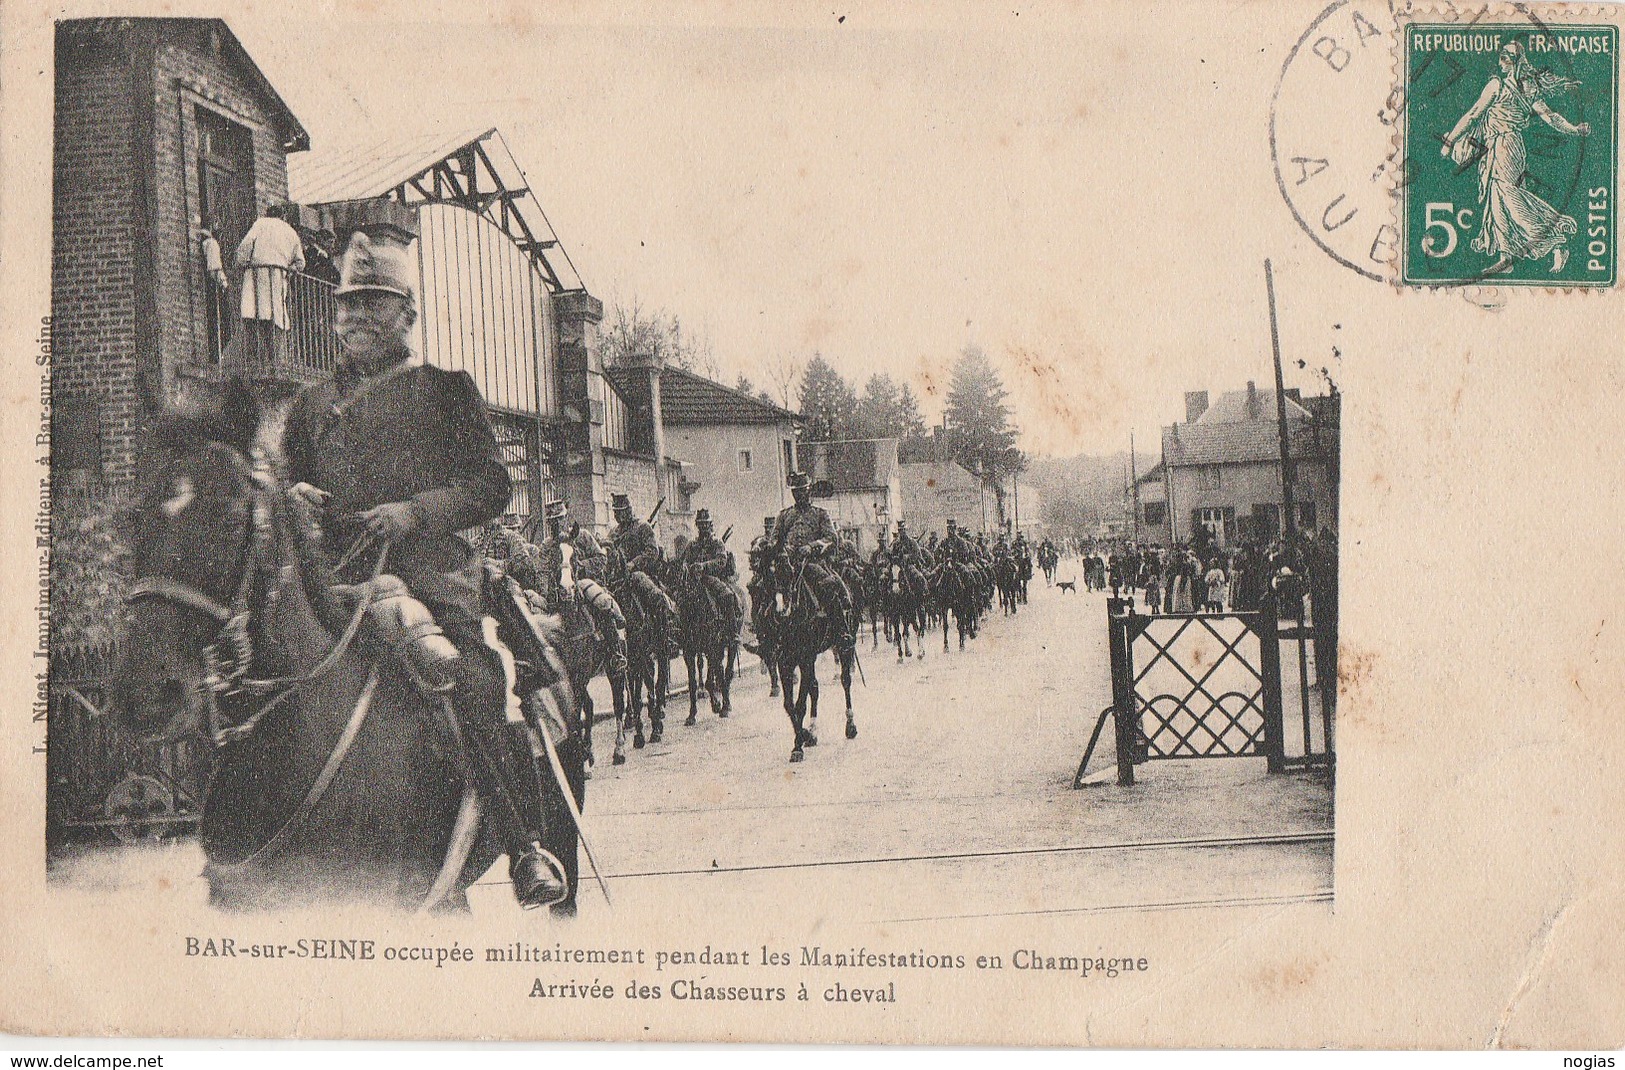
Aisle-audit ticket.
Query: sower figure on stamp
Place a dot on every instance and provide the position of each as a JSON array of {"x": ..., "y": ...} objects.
[
  {"x": 1517, "y": 225},
  {"x": 801, "y": 534},
  {"x": 403, "y": 454}
]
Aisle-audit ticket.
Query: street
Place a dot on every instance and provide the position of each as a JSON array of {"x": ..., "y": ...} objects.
[
  {"x": 959, "y": 782},
  {"x": 954, "y": 800}
]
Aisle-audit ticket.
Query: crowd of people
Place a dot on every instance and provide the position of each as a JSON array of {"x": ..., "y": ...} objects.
[{"x": 1205, "y": 577}]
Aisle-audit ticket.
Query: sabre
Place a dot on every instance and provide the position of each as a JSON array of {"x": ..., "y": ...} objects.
[
  {"x": 575, "y": 811},
  {"x": 655, "y": 511}
]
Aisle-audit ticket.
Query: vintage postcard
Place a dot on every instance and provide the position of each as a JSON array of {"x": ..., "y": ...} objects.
[{"x": 1083, "y": 524}]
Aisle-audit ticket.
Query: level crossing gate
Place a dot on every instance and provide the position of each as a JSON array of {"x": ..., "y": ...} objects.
[{"x": 1208, "y": 685}]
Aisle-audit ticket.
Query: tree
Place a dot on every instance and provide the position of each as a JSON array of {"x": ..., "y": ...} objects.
[
  {"x": 635, "y": 332},
  {"x": 978, "y": 421},
  {"x": 744, "y": 385},
  {"x": 888, "y": 411},
  {"x": 828, "y": 403},
  {"x": 783, "y": 370}
]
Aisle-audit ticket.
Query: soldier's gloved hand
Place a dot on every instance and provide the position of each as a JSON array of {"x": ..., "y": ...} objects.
[
  {"x": 312, "y": 497},
  {"x": 392, "y": 520}
]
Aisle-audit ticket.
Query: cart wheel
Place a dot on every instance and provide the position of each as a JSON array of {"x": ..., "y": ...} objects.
[{"x": 133, "y": 804}]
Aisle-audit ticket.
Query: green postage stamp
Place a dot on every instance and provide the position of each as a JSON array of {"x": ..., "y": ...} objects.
[{"x": 1510, "y": 141}]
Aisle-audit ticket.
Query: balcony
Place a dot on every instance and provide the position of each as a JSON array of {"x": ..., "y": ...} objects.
[{"x": 307, "y": 350}]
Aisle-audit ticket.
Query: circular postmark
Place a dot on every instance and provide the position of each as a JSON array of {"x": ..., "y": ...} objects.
[
  {"x": 1452, "y": 147},
  {"x": 1332, "y": 134}
]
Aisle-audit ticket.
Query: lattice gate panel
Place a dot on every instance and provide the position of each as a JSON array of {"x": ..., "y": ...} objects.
[{"x": 1198, "y": 687}]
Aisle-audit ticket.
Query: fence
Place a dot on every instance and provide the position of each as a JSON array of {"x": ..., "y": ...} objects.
[
  {"x": 308, "y": 344},
  {"x": 99, "y": 777},
  {"x": 1219, "y": 685}
]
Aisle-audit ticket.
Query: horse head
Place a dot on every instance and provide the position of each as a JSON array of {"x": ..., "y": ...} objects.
[{"x": 197, "y": 521}]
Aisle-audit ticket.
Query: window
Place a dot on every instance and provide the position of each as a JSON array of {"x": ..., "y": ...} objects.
[
  {"x": 1306, "y": 516},
  {"x": 789, "y": 456},
  {"x": 1156, "y": 512},
  {"x": 1210, "y": 477},
  {"x": 1266, "y": 521},
  {"x": 744, "y": 460},
  {"x": 1219, "y": 523}
]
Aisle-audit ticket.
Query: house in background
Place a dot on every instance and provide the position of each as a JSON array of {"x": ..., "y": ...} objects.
[
  {"x": 1222, "y": 465},
  {"x": 1151, "y": 490},
  {"x": 934, "y": 492},
  {"x": 730, "y": 452},
  {"x": 865, "y": 483}
]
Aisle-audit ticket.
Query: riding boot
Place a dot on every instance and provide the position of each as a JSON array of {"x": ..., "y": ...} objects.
[{"x": 500, "y": 771}]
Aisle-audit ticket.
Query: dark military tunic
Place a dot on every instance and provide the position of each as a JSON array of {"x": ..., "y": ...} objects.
[
  {"x": 710, "y": 556},
  {"x": 413, "y": 433},
  {"x": 637, "y": 545},
  {"x": 797, "y": 527},
  {"x": 956, "y": 548}
]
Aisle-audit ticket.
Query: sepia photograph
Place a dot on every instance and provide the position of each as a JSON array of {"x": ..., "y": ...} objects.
[{"x": 711, "y": 523}]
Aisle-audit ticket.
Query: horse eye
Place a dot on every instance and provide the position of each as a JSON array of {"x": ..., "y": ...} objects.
[{"x": 184, "y": 493}]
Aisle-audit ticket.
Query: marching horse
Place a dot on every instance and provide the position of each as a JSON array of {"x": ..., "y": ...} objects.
[
  {"x": 905, "y": 607},
  {"x": 647, "y": 665},
  {"x": 957, "y": 592},
  {"x": 801, "y": 633},
  {"x": 709, "y": 636},
  {"x": 337, "y": 775}
]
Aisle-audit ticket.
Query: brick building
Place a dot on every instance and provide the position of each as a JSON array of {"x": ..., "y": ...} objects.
[{"x": 160, "y": 124}]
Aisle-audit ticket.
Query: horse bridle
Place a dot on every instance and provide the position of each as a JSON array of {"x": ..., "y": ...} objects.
[{"x": 229, "y": 655}]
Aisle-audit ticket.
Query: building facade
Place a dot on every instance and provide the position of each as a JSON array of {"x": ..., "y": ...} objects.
[
  {"x": 734, "y": 452},
  {"x": 863, "y": 484},
  {"x": 1222, "y": 466},
  {"x": 161, "y": 125}
]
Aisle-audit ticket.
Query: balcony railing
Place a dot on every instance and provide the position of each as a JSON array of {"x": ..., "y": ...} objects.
[{"x": 307, "y": 346}]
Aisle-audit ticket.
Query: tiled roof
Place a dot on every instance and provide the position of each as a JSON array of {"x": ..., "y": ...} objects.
[
  {"x": 686, "y": 398},
  {"x": 1232, "y": 407},
  {"x": 1236, "y": 442},
  {"x": 855, "y": 464}
]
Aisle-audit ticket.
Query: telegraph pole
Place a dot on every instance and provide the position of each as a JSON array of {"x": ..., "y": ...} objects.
[
  {"x": 1134, "y": 476},
  {"x": 1280, "y": 410}
]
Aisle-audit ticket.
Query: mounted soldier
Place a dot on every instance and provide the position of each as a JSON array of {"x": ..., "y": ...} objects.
[
  {"x": 567, "y": 570},
  {"x": 802, "y": 534},
  {"x": 635, "y": 539},
  {"x": 904, "y": 550},
  {"x": 711, "y": 558},
  {"x": 955, "y": 547},
  {"x": 402, "y": 455},
  {"x": 882, "y": 554}
]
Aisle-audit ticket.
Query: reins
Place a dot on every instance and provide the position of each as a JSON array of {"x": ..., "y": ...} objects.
[{"x": 227, "y": 670}]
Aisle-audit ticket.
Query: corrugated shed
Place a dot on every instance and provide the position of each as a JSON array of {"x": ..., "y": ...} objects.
[{"x": 372, "y": 170}]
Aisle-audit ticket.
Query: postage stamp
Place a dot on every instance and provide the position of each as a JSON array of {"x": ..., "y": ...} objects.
[{"x": 1510, "y": 142}]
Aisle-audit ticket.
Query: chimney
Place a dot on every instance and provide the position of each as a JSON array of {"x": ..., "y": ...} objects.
[
  {"x": 1252, "y": 400},
  {"x": 1195, "y": 405},
  {"x": 652, "y": 364}
]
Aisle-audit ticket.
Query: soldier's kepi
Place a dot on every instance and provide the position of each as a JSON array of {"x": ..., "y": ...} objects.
[
  {"x": 403, "y": 453},
  {"x": 801, "y": 534}
]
